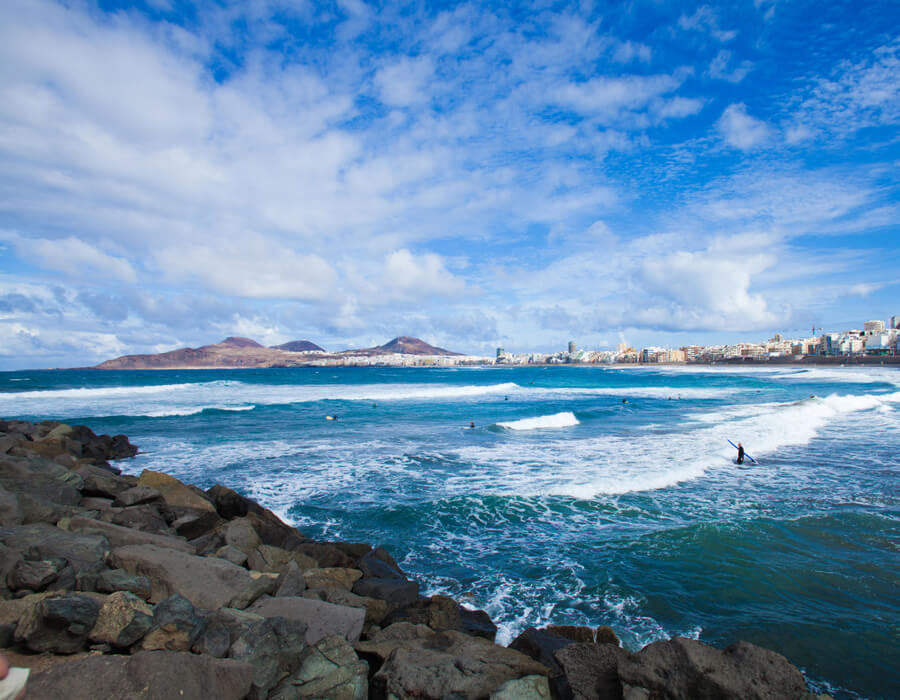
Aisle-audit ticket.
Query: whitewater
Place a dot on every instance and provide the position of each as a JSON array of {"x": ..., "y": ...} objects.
[{"x": 582, "y": 495}]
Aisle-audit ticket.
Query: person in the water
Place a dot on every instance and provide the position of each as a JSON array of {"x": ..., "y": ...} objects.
[{"x": 740, "y": 457}]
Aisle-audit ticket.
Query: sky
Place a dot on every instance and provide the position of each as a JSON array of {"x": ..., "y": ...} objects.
[{"x": 473, "y": 174}]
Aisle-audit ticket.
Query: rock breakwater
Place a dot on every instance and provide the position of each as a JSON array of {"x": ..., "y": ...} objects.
[{"x": 116, "y": 586}]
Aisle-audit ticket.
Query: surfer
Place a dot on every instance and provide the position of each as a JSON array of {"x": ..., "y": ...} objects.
[
  {"x": 740, "y": 457},
  {"x": 471, "y": 424}
]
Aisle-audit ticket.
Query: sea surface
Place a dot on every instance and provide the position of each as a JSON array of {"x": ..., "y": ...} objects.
[{"x": 583, "y": 495}]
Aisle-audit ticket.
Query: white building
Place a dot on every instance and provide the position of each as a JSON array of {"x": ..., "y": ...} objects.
[{"x": 870, "y": 327}]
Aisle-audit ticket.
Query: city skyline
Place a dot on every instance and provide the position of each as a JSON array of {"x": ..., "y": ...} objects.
[{"x": 477, "y": 174}]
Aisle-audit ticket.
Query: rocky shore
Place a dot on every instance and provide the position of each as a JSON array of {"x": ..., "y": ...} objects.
[{"x": 115, "y": 586}]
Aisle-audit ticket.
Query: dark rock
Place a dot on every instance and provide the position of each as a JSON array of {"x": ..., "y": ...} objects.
[
  {"x": 606, "y": 635},
  {"x": 100, "y": 482},
  {"x": 325, "y": 554},
  {"x": 332, "y": 577},
  {"x": 214, "y": 641},
  {"x": 328, "y": 669},
  {"x": 321, "y": 619},
  {"x": 11, "y": 512},
  {"x": 257, "y": 587},
  {"x": 229, "y": 504},
  {"x": 33, "y": 575},
  {"x": 438, "y": 612},
  {"x": 43, "y": 541},
  {"x": 148, "y": 675},
  {"x": 275, "y": 559},
  {"x": 208, "y": 543},
  {"x": 207, "y": 582},
  {"x": 94, "y": 503},
  {"x": 272, "y": 646},
  {"x": 374, "y": 565},
  {"x": 225, "y": 621},
  {"x": 354, "y": 550},
  {"x": 394, "y": 590},
  {"x": 196, "y": 524},
  {"x": 588, "y": 671},
  {"x": 123, "y": 620},
  {"x": 449, "y": 664},
  {"x": 114, "y": 580},
  {"x": 686, "y": 668},
  {"x": 175, "y": 627},
  {"x": 541, "y": 646},
  {"x": 137, "y": 495},
  {"x": 477, "y": 623},
  {"x": 144, "y": 517},
  {"x": 375, "y": 609},
  {"x": 582, "y": 635},
  {"x": 58, "y": 624},
  {"x": 291, "y": 581},
  {"x": 7, "y": 635}
]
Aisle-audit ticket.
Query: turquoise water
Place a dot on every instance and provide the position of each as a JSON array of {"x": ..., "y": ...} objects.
[{"x": 583, "y": 495}]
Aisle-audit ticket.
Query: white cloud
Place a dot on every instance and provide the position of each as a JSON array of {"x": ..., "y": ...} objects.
[
  {"x": 249, "y": 266},
  {"x": 404, "y": 82},
  {"x": 71, "y": 256},
  {"x": 420, "y": 276},
  {"x": 742, "y": 131},
  {"x": 705, "y": 19},
  {"x": 718, "y": 69},
  {"x": 609, "y": 98},
  {"x": 628, "y": 51}
]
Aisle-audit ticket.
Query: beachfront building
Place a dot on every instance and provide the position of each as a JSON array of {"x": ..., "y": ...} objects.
[
  {"x": 884, "y": 343},
  {"x": 872, "y": 327},
  {"x": 895, "y": 321}
]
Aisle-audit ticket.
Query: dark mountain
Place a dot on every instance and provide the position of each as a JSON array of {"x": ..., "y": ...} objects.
[
  {"x": 234, "y": 341},
  {"x": 406, "y": 345},
  {"x": 298, "y": 346}
]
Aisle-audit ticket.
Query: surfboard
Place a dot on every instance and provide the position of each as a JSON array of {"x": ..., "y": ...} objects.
[{"x": 745, "y": 453}]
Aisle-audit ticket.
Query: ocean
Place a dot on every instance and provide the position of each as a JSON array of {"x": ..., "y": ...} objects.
[{"x": 583, "y": 495}]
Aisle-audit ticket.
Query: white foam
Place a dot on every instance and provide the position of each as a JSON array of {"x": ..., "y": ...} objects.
[
  {"x": 583, "y": 468},
  {"x": 648, "y": 392},
  {"x": 566, "y": 419},
  {"x": 190, "y": 398}
]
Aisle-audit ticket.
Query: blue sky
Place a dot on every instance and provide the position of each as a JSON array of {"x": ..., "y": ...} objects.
[{"x": 473, "y": 174}]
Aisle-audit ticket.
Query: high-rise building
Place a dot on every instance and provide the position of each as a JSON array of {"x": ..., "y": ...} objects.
[
  {"x": 873, "y": 327},
  {"x": 500, "y": 352},
  {"x": 572, "y": 347},
  {"x": 895, "y": 321}
]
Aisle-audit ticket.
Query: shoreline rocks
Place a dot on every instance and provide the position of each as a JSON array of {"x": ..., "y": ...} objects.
[{"x": 116, "y": 586}]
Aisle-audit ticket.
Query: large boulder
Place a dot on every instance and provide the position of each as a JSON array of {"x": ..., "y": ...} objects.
[
  {"x": 207, "y": 582},
  {"x": 376, "y": 609},
  {"x": 115, "y": 580},
  {"x": 685, "y": 668},
  {"x": 332, "y": 577},
  {"x": 442, "y": 664},
  {"x": 588, "y": 671},
  {"x": 123, "y": 620},
  {"x": 443, "y": 613},
  {"x": 229, "y": 504},
  {"x": 147, "y": 675},
  {"x": 100, "y": 482},
  {"x": 541, "y": 646},
  {"x": 175, "y": 626},
  {"x": 328, "y": 669},
  {"x": 174, "y": 492},
  {"x": 222, "y": 627},
  {"x": 240, "y": 534},
  {"x": 34, "y": 575},
  {"x": 119, "y": 536},
  {"x": 321, "y": 619},
  {"x": 137, "y": 495},
  {"x": 43, "y": 541},
  {"x": 59, "y": 624},
  {"x": 267, "y": 557},
  {"x": 396, "y": 591},
  {"x": 273, "y": 647},
  {"x": 11, "y": 512}
]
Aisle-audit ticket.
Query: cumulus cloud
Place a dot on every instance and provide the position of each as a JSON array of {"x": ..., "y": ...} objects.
[
  {"x": 742, "y": 131},
  {"x": 402, "y": 83},
  {"x": 71, "y": 256},
  {"x": 250, "y": 266},
  {"x": 419, "y": 276}
]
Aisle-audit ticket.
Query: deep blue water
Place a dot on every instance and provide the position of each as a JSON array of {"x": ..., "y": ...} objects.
[{"x": 583, "y": 495}]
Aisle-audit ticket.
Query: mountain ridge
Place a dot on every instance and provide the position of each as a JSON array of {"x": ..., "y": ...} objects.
[{"x": 237, "y": 351}]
